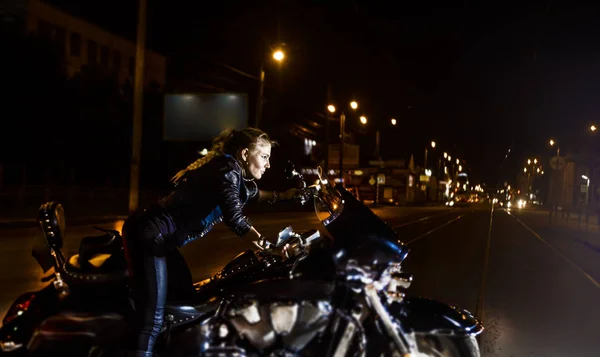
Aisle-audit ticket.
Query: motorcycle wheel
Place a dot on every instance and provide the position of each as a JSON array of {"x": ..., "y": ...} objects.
[{"x": 447, "y": 346}]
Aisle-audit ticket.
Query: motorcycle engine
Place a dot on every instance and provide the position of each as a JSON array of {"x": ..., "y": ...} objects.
[{"x": 278, "y": 325}]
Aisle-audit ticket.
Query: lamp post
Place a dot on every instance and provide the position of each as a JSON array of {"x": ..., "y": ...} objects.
[
  {"x": 138, "y": 96},
  {"x": 332, "y": 109},
  {"x": 426, "y": 151},
  {"x": 278, "y": 55}
]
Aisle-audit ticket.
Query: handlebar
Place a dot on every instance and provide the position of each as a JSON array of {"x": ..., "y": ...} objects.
[
  {"x": 263, "y": 244},
  {"x": 292, "y": 244},
  {"x": 307, "y": 194}
]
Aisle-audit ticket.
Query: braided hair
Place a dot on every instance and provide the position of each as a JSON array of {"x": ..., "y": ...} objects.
[{"x": 229, "y": 142}]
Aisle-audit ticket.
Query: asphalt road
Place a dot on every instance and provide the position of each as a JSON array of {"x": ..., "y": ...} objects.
[{"x": 536, "y": 288}]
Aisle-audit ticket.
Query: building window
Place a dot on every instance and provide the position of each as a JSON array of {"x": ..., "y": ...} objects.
[
  {"x": 92, "y": 51},
  {"x": 117, "y": 61},
  {"x": 60, "y": 36},
  {"x": 75, "y": 44},
  {"x": 104, "y": 56},
  {"x": 44, "y": 29}
]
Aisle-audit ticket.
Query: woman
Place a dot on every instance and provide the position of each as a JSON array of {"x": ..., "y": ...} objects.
[{"x": 210, "y": 190}]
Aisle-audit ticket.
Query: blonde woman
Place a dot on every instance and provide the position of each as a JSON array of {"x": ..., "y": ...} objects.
[{"x": 213, "y": 189}]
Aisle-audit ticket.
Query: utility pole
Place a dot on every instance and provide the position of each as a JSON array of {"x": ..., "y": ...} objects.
[
  {"x": 259, "y": 99},
  {"x": 342, "y": 133},
  {"x": 138, "y": 106},
  {"x": 327, "y": 119}
]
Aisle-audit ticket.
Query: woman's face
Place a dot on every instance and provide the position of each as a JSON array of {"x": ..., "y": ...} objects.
[{"x": 257, "y": 160}]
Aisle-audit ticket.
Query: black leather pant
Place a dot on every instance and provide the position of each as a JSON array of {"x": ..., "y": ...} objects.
[{"x": 159, "y": 273}]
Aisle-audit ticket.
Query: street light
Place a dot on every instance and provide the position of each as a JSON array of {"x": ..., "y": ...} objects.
[
  {"x": 552, "y": 142},
  {"x": 331, "y": 108},
  {"x": 587, "y": 190},
  {"x": 278, "y": 55},
  {"x": 445, "y": 155},
  {"x": 593, "y": 128},
  {"x": 363, "y": 119},
  {"x": 393, "y": 121},
  {"x": 426, "y": 151}
]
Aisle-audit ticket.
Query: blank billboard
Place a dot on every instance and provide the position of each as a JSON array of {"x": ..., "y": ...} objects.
[{"x": 201, "y": 117}]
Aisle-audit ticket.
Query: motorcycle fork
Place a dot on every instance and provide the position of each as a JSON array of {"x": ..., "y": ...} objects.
[{"x": 394, "y": 331}]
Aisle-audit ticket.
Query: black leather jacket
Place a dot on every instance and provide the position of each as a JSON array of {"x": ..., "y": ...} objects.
[{"x": 213, "y": 193}]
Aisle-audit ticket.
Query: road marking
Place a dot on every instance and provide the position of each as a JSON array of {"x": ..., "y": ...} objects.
[
  {"x": 556, "y": 250},
  {"x": 435, "y": 229},
  {"x": 484, "y": 275},
  {"x": 422, "y": 219}
]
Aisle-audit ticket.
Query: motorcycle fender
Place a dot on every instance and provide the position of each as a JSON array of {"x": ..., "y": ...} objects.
[{"x": 423, "y": 315}]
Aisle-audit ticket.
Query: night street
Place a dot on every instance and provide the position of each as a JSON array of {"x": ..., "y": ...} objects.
[{"x": 539, "y": 297}]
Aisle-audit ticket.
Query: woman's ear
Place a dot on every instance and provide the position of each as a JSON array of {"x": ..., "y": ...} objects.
[{"x": 245, "y": 153}]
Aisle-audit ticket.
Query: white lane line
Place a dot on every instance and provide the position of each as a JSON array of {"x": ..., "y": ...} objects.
[
  {"x": 435, "y": 229},
  {"x": 422, "y": 219}
]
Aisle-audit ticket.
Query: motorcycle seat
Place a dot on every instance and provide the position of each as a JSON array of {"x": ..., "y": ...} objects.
[
  {"x": 101, "y": 259},
  {"x": 96, "y": 261},
  {"x": 99, "y": 268},
  {"x": 181, "y": 313}
]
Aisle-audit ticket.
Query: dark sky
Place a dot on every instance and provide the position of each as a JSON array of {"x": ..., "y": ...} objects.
[{"x": 479, "y": 79}]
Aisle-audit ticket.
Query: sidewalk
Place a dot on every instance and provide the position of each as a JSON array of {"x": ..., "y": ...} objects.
[
  {"x": 581, "y": 229},
  {"x": 577, "y": 241}
]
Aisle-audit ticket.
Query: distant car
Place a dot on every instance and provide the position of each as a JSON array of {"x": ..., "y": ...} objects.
[
  {"x": 514, "y": 203},
  {"x": 459, "y": 200}
]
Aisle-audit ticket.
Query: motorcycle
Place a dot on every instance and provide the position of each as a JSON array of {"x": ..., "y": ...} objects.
[{"x": 338, "y": 294}]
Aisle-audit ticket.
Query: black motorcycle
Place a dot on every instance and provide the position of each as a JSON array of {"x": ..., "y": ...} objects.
[{"x": 306, "y": 295}]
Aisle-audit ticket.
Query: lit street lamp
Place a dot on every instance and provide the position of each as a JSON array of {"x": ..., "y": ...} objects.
[
  {"x": 393, "y": 121},
  {"x": 363, "y": 119},
  {"x": 426, "y": 151},
  {"x": 278, "y": 55},
  {"x": 331, "y": 108},
  {"x": 587, "y": 190}
]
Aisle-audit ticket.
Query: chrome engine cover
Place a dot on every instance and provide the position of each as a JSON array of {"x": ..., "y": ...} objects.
[{"x": 295, "y": 324}]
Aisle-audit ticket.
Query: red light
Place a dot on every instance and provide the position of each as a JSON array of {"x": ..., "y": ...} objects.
[{"x": 19, "y": 307}]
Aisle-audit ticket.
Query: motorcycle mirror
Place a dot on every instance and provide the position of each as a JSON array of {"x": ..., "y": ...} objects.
[
  {"x": 290, "y": 170},
  {"x": 284, "y": 235},
  {"x": 290, "y": 173}
]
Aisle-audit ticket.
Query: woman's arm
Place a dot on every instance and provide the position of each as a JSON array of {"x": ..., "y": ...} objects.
[{"x": 274, "y": 196}]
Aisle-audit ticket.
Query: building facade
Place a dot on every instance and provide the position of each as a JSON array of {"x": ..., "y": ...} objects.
[{"x": 83, "y": 43}]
